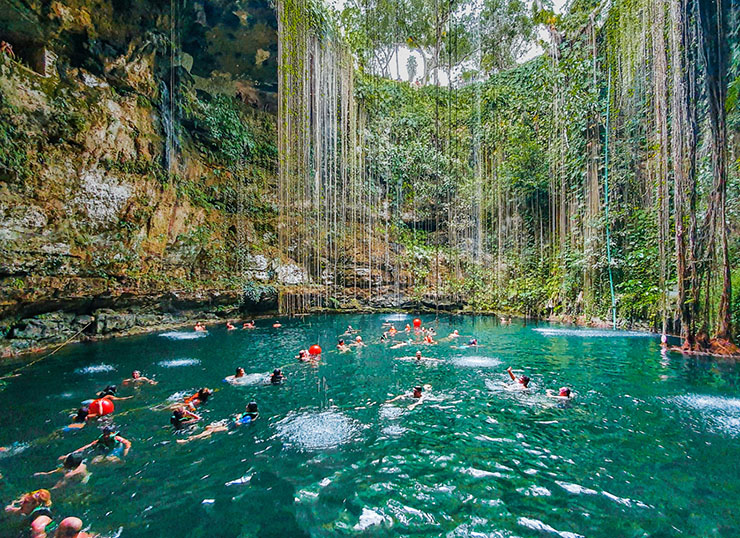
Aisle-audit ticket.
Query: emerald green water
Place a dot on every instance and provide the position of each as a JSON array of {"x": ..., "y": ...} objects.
[{"x": 648, "y": 448}]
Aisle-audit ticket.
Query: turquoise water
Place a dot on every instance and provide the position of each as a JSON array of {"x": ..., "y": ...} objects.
[{"x": 648, "y": 448}]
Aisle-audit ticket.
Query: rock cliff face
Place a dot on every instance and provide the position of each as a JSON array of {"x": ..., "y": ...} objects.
[{"x": 137, "y": 158}]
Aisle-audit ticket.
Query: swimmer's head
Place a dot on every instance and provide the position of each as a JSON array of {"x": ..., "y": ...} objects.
[
  {"x": 107, "y": 430},
  {"x": 82, "y": 413},
  {"x": 252, "y": 407},
  {"x": 564, "y": 391},
  {"x": 417, "y": 391},
  {"x": 136, "y": 374},
  {"x": 277, "y": 371},
  {"x": 418, "y": 354},
  {"x": 358, "y": 339},
  {"x": 341, "y": 342},
  {"x": 524, "y": 380},
  {"x": 239, "y": 372},
  {"x": 39, "y": 497},
  {"x": 204, "y": 394},
  {"x": 72, "y": 461}
]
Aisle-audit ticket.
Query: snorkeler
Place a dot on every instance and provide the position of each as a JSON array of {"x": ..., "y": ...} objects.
[
  {"x": 80, "y": 419},
  {"x": 111, "y": 445},
  {"x": 226, "y": 425},
  {"x": 136, "y": 379},
  {"x": 71, "y": 527},
  {"x": 563, "y": 394},
  {"x": 74, "y": 470},
  {"x": 199, "y": 398},
  {"x": 249, "y": 325},
  {"x": 523, "y": 380},
  {"x": 417, "y": 393},
  {"x": 182, "y": 417},
  {"x": 277, "y": 376},
  {"x": 342, "y": 347},
  {"x": 36, "y": 507},
  {"x": 230, "y": 326}
]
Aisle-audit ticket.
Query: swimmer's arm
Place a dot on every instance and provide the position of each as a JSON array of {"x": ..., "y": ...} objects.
[
  {"x": 418, "y": 402},
  {"x": 44, "y": 473},
  {"x": 38, "y": 527},
  {"x": 396, "y": 398},
  {"x": 89, "y": 445},
  {"x": 118, "y": 398},
  {"x": 126, "y": 444},
  {"x": 511, "y": 374}
]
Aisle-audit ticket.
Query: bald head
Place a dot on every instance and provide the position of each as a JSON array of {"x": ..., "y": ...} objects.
[{"x": 69, "y": 527}]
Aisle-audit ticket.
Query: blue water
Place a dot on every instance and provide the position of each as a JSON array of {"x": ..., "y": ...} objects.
[{"x": 649, "y": 447}]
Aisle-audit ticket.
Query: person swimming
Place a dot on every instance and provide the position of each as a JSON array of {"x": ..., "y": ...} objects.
[
  {"x": 303, "y": 355},
  {"x": 407, "y": 328},
  {"x": 418, "y": 355},
  {"x": 384, "y": 337},
  {"x": 249, "y": 325},
  {"x": 428, "y": 339},
  {"x": 74, "y": 470},
  {"x": 473, "y": 342},
  {"x": 417, "y": 394},
  {"x": 199, "y": 326},
  {"x": 36, "y": 508},
  {"x": 136, "y": 379},
  {"x": 454, "y": 334},
  {"x": 277, "y": 376},
  {"x": 239, "y": 372},
  {"x": 276, "y": 325},
  {"x": 110, "y": 445},
  {"x": 199, "y": 398},
  {"x": 226, "y": 425},
  {"x": 230, "y": 326},
  {"x": 523, "y": 380},
  {"x": 80, "y": 419},
  {"x": 342, "y": 347},
  {"x": 109, "y": 393},
  {"x": 182, "y": 417},
  {"x": 563, "y": 394},
  {"x": 392, "y": 331},
  {"x": 358, "y": 342}
]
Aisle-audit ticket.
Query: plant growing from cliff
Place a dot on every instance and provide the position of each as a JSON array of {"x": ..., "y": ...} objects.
[
  {"x": 222, "y": 127},
  {"x": 13, "y": 156}
]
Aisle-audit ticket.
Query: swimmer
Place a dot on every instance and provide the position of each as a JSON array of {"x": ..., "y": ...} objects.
[
  {"x": 392, "y": 331},
  {"x": 428, "y": 339},
  {"x": 237, "y": 375},
  {"x": 473, "y": 342},
  {"x": 342, "y": 347},
  {"x": 71, "y": 527},
  {"x": 199, "y": 327},
  {"x": 523, "y": 380},
  {"x": 418, "y": 355},
  {"x": 109, "y": 393},
  {"x": 80, "y": 419},
  {"x": 199, "y": 398},
  {"x": 303, "y": 355},
  {"x": 454, "y": 334},
  {"x": 358, "y": 342},
  {"x": 402, "y": 344},
  {"x": 36, "y": 507},
  {"x": 112, "y": 446},
  {"x": 563, "y": 394},
  {"x": 249, "y": 325},
  {"x": 226, "y": 425},
  {"x": 239, "y": 372},
  {"x": 74, "y": 470},
  {"x": 350, "y": 331},
  {"x": 277, "y": 376},
  {"x": 136, "y": 378},
  {"x": 384, "y": 337},
  {"x": 230, "y": 326},
  {"x": 182, "y": 417},
  {"x": 408, "y": 328},
  {"x": 417, "y": 393},
  {"x": 276, "y": 325}
]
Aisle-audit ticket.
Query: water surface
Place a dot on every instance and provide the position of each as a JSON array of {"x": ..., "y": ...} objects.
[{"x": 648, "y": 448}]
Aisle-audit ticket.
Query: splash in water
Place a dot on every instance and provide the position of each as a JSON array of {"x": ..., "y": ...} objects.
[
  {"x": 246, "y": 380},
  {"x": 591, "y": 333},
  {"x": 316, "y": 431},
  {"x": 476, "y": 361},
  {"x": 95, "y": 369},
  {"x": 180, "y": 335},
  {"x": 397, "y": 317},
  {"x": 537, "y": 525},
  {"x": 176, "y": 363},
  {"x": 720, "y": 414}
]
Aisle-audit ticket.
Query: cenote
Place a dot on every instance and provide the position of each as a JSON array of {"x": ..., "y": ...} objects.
[{"x": 645, "y": 449}]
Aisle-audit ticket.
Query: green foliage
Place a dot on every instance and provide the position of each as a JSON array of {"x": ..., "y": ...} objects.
[{"x": 13, "y": 152}]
